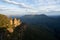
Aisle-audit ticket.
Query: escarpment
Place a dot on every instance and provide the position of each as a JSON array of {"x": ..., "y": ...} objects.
[{"x": 11, "y": 28}]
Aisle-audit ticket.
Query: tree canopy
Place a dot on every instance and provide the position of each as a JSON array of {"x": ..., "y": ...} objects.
[{"x": 4, "y": 20}]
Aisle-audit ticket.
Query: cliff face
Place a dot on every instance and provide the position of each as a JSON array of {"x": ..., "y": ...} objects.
[
  {"x": 9, "y": 23},
  {"x": 17, "y": 34},
  {"x": 11, "y": 29},
  {"x": 14, "y": 23}
]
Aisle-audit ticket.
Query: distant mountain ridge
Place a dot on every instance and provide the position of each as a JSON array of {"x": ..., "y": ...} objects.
[{"x": 37, "y": 19}]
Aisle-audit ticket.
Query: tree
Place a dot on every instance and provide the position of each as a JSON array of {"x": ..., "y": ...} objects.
[{"x": 4, "y": 20}]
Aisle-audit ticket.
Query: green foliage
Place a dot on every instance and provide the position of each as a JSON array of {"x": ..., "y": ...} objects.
[
  {"x": 39, "y": 32},
  {"x": 4, "y": 21},
  {"x": 17, "y": 34}
]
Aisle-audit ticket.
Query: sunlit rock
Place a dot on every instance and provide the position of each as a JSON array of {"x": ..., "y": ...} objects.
[{"x": 10, "y": 30}]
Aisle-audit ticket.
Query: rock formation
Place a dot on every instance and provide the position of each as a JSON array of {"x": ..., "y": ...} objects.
[{"x": 14, "y": 23}]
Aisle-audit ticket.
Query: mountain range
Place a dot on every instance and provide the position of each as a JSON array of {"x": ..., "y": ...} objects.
[
  {"x": 42, "y": 23},
  {"x": 51, "y": 23}
]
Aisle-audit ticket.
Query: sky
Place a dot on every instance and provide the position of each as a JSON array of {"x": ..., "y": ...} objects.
[{"x": 22, "y": 7}]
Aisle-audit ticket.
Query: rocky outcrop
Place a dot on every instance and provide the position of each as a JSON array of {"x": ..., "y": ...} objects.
[
  {"x": 17, "y": 34},
  {"x": 14, "y": 23}
]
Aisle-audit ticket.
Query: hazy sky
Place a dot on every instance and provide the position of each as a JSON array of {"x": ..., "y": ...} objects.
[{"x": 21, "y": 7}]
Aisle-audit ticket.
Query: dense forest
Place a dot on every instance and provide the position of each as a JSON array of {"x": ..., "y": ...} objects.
[
  {"x": 34, "y": 27},
  {"x": 43, "y": 26}
]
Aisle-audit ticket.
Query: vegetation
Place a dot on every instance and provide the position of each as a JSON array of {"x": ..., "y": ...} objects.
[
  {"x": 17, "y": 34},
  {"x": 50, "y": 27},
  {"x": 6, "y": 29},
  {"x": 43, "y": 28},
  {"x": 4, "y": 20},
  {"x": 39, "y": 32}
]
